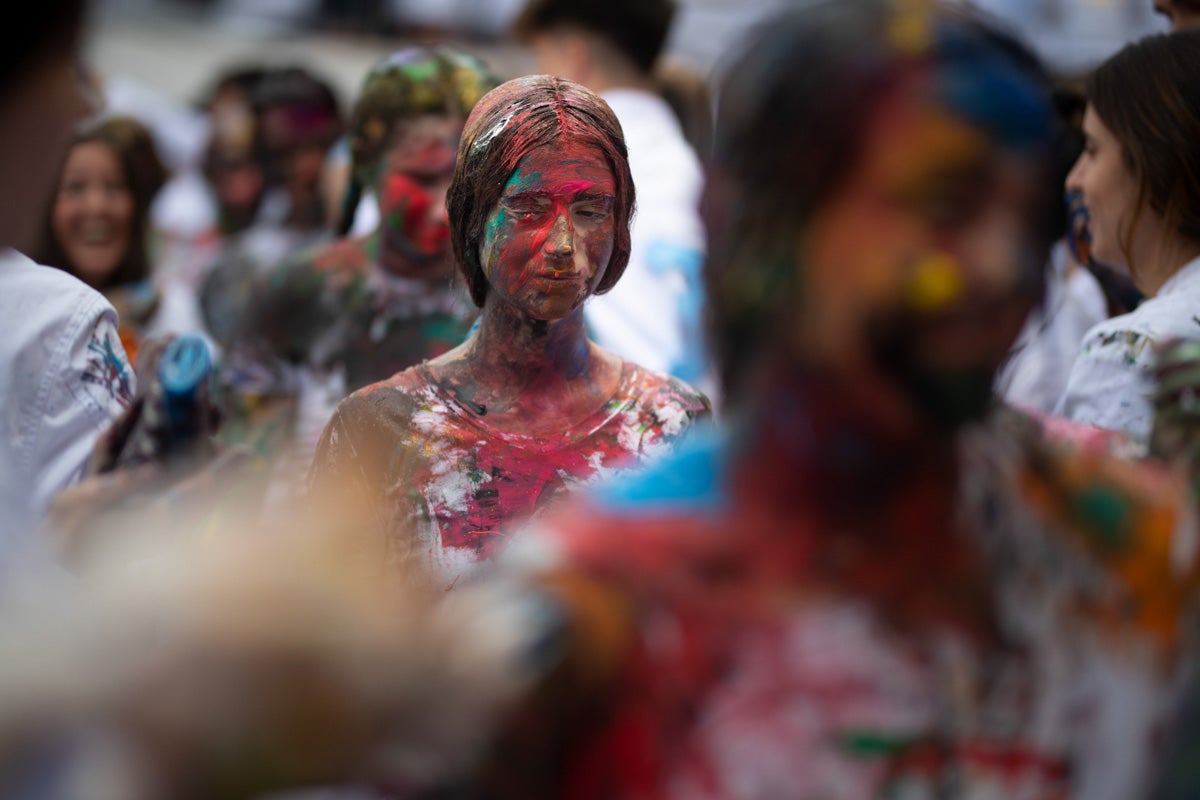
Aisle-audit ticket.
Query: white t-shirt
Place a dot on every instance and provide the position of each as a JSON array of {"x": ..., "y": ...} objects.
[
  {"x": 1111, "y": 383},
  {"x": 63, "y": 378},
  {"x": 653, "y": 315},
  {"x": 1035, "y": 374}
]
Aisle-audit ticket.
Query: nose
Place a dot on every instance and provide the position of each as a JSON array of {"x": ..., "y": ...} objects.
[
  {"x": 561, "y": 241},
  {"x": 94, "y": 201},
  {"x": 1074, "y": 181}
]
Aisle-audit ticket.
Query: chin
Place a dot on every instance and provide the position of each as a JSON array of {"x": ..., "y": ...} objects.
[{"x": 946, "y": 397}]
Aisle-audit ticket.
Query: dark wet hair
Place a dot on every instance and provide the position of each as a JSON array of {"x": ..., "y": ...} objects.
[
  {"x": 41, "y": 32},
  {"x": 1147, "y": 96},
  {"x": 144, "y": 176},
  {"x": 409, "y": 83},
  {"x": 637, "y": 28},
  {"x": 507, "y": 124},
  {"x": 793, "y": 111}
]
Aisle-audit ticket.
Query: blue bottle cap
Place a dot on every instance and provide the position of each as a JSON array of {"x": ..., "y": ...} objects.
[{"x": 185, "y": 364}]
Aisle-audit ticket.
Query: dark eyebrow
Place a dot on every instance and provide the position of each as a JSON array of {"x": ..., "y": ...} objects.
[
  {"x": 592, "y": 197},
  {"x": 526, "y": 194},
  {"x": 538, "y": 194}
]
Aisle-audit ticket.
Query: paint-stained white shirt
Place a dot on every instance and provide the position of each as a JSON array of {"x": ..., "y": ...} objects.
[
  {"x": 1040, "y": 362},
  {"x": 1111, "y": 383},
  {"x": 63, "y": 378}
]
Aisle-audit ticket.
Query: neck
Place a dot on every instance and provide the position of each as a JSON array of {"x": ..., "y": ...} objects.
[
  {"x": 1168, "y": 258},
  {"x": 511, "y": 351}
]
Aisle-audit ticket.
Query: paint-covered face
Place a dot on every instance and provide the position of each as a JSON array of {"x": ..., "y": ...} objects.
[
  {"x": 1109, "y": 190},
  {"x": 415, "y": 175},
  {"x": 92, "y": 219},
  {"x": 550, "y": 238},
  {"x": 924, "y": 263}
]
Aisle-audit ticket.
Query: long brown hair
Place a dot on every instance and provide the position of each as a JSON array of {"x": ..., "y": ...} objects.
[
  {"x": 1146, "y": 95},
  {"x": 507, "y": 124},
  {"x": 144, "y": 174}
]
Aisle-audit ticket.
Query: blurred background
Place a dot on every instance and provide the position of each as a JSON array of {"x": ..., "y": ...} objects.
[
  {"x": 174, "y": 46},
  {"x": 158, "y": 57}
]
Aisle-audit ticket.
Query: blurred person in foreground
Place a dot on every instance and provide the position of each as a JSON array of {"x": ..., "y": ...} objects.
[
  {"x": 654, "y": 316},
  {"x": 862, "y": 589},
  {"x": 63, "y": 373}
]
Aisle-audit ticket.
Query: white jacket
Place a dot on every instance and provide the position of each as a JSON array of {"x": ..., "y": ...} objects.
[
  {"x": 63, "y": 378},
  {"x": 1111, "y": 383}
]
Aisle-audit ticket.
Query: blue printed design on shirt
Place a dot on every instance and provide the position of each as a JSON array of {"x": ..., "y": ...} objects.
[{"x": 107, "y": 368}]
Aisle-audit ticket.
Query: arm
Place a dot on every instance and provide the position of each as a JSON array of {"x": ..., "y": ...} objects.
[{"x": 83, "y": 390}]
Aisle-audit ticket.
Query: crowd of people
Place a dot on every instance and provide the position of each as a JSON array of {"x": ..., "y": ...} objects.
[{"x": 579, "y": 434}]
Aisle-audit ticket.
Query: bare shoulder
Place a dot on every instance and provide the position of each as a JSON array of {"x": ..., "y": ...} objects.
[{"x": 389, "y": 402}]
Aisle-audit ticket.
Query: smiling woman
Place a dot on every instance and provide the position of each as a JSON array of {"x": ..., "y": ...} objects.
[
  {"x": 1139, "y": 176},
  {"x": 96, "y": 225},
  {"x": 462, "y": 450}
]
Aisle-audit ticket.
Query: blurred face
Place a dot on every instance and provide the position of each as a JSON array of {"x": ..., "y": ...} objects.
[
  {"x": 550, "y": 238},
  {"x": 92, "y": 219},
  {"x": 1108, "y": 187},
  {"x": 297, "y": 145},
  {"x": 412, "y": 194},
  {"x": 36, "y": 121},
  {"x": 923, "y": 263},
  {"x": 238, "y": 183},
  {"x": 562, "y": 52}
]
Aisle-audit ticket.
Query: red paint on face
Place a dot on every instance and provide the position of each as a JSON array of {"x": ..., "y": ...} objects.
[
  {"x": 410, "y": 212},
  {"x": 412, "y": 193},
  {"x": 551, "y": 236}
]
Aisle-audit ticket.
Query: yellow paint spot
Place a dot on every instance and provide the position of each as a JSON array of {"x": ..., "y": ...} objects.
[
  {"x": 935, "y": 283},
  {"x": 911, "y": 28}
]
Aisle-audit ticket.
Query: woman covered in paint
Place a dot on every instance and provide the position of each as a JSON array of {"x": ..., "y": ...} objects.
[
  {"x": 1139, "y": 175},
  {"x": 98, "y": 221},
  {"x": 469, "y": 445}
]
